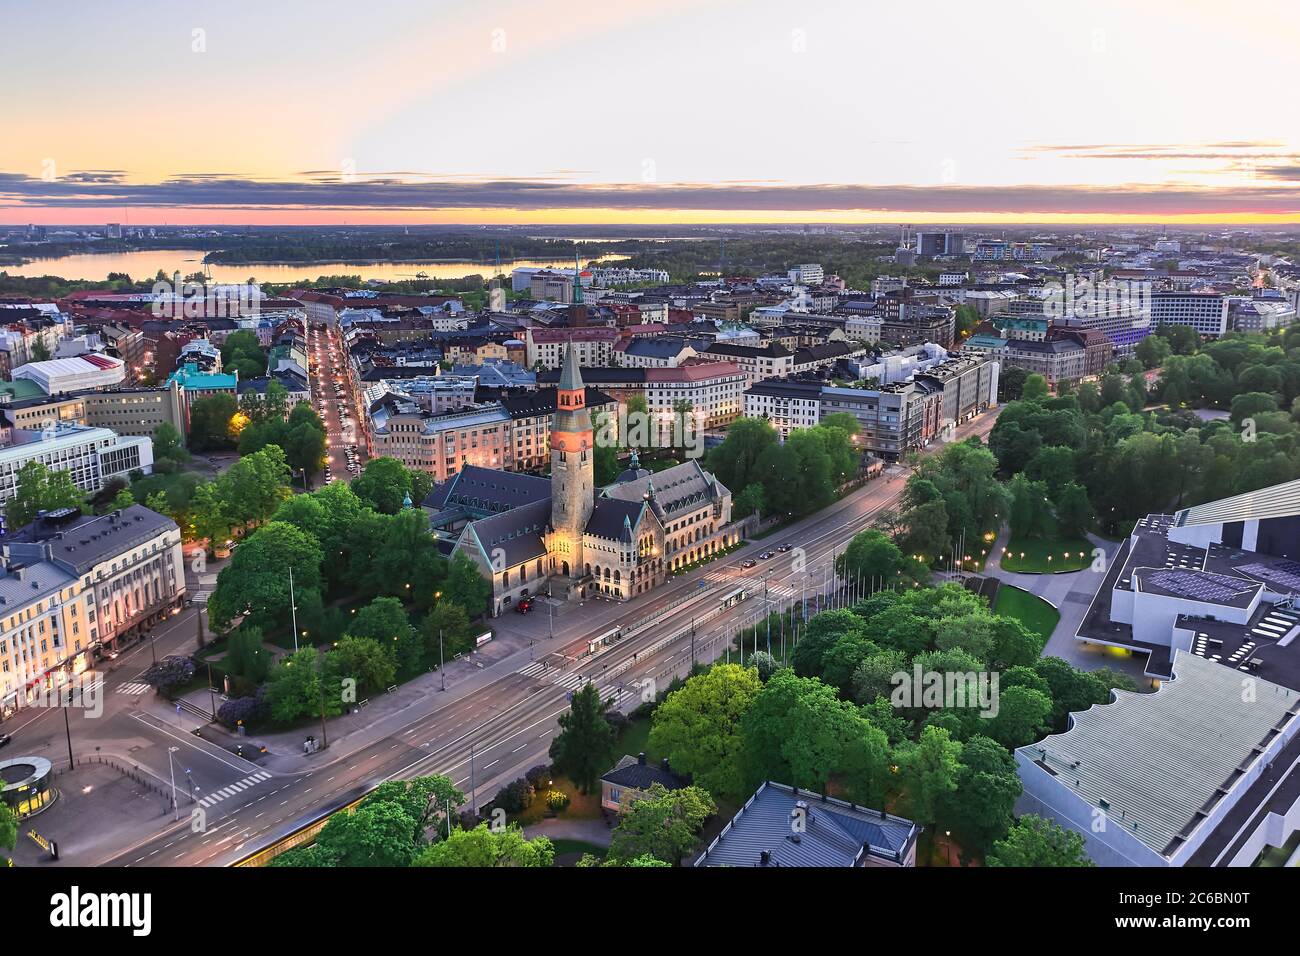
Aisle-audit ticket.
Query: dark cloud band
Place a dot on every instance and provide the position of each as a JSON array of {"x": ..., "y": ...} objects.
[{"x": 107, "y": 189}]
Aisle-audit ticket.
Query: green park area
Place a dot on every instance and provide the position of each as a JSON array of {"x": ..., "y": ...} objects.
[
  {"x": 1046, "y": 555},
  {"x": 1031, "y": 611}
]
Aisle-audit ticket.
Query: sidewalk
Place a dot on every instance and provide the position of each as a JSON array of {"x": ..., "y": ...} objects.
[{"x": 1070, "y": 593}]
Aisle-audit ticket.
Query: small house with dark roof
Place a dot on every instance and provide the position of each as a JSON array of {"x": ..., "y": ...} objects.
[{"x": 631, "y": 777}]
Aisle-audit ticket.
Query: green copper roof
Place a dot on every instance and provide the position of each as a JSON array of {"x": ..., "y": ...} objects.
[{"x": 570, "y": 376}]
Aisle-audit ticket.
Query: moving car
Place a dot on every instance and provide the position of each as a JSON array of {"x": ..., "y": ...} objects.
[{"x": 748, "y": 563}]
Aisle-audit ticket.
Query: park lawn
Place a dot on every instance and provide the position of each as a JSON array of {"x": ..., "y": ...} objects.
[
  {"x": 1031, "y": 611},
  {"x": 1037, "y": 552}
]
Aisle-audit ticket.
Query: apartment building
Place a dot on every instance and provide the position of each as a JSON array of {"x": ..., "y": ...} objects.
[
  {"x": 715, "y": 391},
  {"x": 893, "y": 419},
  {"x": 591, "y": 346},
  {"x": 1206, "y": 312},
  {"x": 510, "y": 435},
  {"x": 132, "y": 411},
  {"x": 44, "y": 632},
  {"x": 658, "y": 351},
  {"x": 788, "y": 404},
  {"x": 968, "y": 384},
  {"x": 758, "y": 363},
  {"x": 129, "y": 563}
]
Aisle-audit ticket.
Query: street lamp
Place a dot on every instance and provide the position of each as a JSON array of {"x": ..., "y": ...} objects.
[{"x": 172, "y": 768}]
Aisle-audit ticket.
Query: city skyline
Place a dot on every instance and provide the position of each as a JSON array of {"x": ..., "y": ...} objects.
[{"x": 541, "y": 113}]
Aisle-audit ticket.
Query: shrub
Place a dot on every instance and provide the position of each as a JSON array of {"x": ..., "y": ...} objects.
[
  {"x": 168, "y": 673},
  {"x": 248, "y": 709},
  {"x": 539, "y": 775},
  {"x": 557, "y": 801},
  {"x": 514, "y": 797}
]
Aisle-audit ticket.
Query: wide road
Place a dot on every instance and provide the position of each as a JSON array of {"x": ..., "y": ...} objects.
[
  {"x": 497, "y": 731},
  {"x": 331, "y": 396}
]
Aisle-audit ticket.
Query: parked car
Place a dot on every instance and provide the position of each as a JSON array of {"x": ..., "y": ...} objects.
[{"x": 5, "y": 738}]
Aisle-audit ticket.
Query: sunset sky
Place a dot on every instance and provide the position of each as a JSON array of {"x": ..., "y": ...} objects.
[{"x": 549, "y": 111}]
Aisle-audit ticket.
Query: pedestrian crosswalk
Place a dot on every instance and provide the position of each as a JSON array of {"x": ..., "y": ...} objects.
[
  {"x": 134, "y": 687},
  {"x": 547, "y": 670},
  {"x": 252, "y": 780},
  {"x": 569, "y": 681}
]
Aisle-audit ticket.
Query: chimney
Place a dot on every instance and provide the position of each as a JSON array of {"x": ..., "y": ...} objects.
[
  {"x": 764, "y": 857},
  {"x": 640, "y": 758}
]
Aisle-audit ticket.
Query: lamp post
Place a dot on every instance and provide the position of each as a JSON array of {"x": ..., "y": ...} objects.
[
  {"x": 442, "y": 670},
  {"x": 67, "y": 728},
  {"x": 293, "y": 610},
  {"x": 171, "y": 766}
]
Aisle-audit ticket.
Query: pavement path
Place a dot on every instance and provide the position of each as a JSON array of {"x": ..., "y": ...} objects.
[{"x": 1070, "y": 593}]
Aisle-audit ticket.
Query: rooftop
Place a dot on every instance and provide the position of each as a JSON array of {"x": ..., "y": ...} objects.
[
  {"x": 837, "y": 833},
  {"x": 1159, "y": 762}
]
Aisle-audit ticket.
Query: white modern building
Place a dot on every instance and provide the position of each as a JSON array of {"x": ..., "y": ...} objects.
[
  {"x": 1199, "y": 773},
  {"x": 83, "y": 372},
  {"x": 91, "y": 455}
]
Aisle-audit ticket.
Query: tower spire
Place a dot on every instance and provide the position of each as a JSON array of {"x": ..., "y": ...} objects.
[{"x": 577, "y": 278}]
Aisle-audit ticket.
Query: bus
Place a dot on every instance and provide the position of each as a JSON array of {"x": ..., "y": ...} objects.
[{"x": 734, "y": 598}]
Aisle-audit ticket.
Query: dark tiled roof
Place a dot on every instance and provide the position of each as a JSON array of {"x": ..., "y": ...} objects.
[
  {"x": 487, "y": 489},
  {"x": 82, "y": 542},
  {"x": 607, "y": 516},
  {"x": 518, "y": 534},
  {"x": 602, "y": 375},
  {"x": 630, "y": 772}
]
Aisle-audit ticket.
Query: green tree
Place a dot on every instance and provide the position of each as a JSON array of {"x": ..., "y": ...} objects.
[
  {"x": 1036, "y": 842},
  {"x": 980, "y": 809},
  {"x": 797, "y": 731},
  {"x": 870, "y": 555},
  {"x": 1034, "y": 389},
  {"x": 383, "y": 485},
  {"x": 256, "y": 581},
  {"x": 466, "y": 585},
  {"x": 366, "y": 661},
  {"x": 928, "y": 771},
  {"x": 40, "y": 489},
  {"x": 211, "y": 422},
  {"x": 664, "y": 824},
  {"x": 295, "y": 689},
  {"x": 430, "y": 801},
  {"x": 1023, "y": 715},
  {"x": 584, "y": 748},
  {"x": 168, "y": 445},
  {"x": 448, "y": 622},
  {"x": 122, "y": 500},
  {"x": 698, "y": 728},
  {"x": 484, "y": 847}
]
